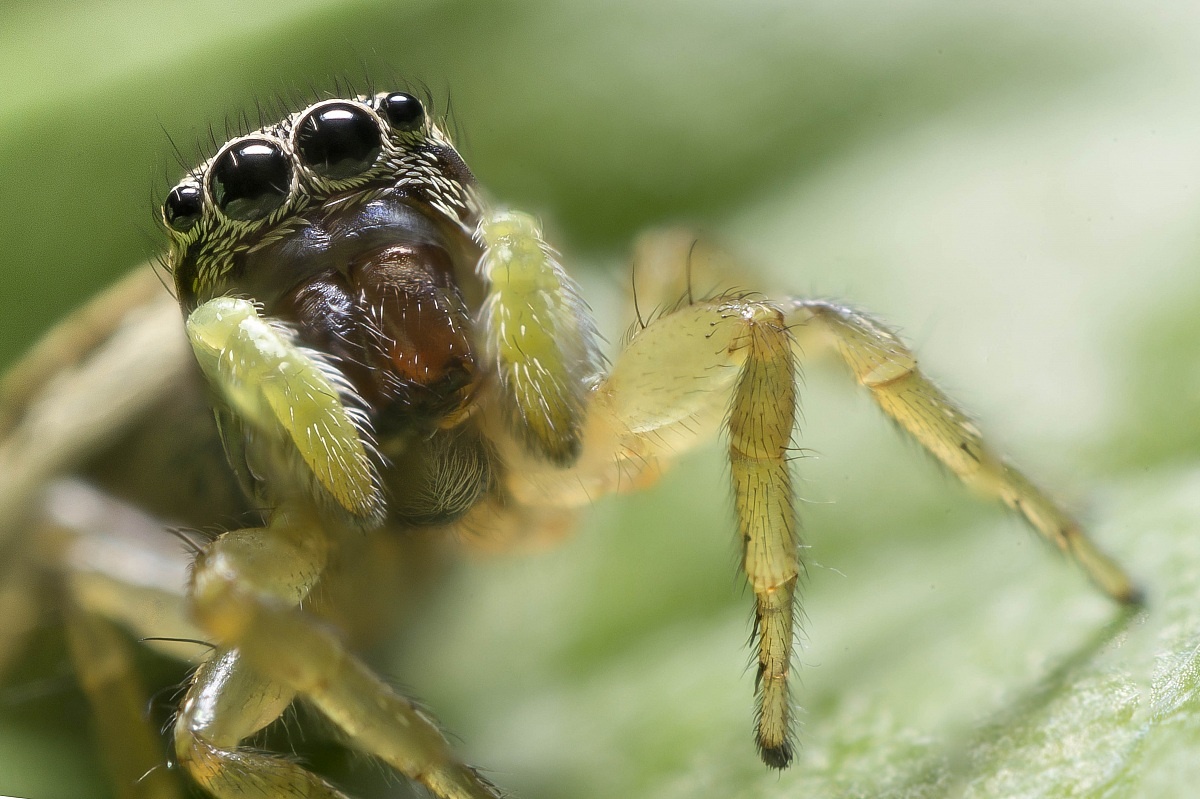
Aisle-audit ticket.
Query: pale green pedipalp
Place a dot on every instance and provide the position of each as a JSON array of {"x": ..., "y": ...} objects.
[
  {"x": 278, "y": 388},
  {"x": 537, "y": 333}
]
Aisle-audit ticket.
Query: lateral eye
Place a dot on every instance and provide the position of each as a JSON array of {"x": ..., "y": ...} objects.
[
  {"x": 182, "y": 208},
  {"x": 402, "y": 111},
  {"x": 339, "y": 140},
  {"x": 250, "y": 179}
]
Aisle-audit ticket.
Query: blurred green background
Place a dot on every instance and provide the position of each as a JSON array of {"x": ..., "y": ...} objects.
[{"x": 1013, "y": 185}]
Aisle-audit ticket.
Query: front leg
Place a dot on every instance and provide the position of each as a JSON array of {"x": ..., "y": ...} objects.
[
  {"x": 882, "y": 363},
  {"x": 244, "y": 591},
  {"x": 722, "y": 361},
  {"x": 673, "y": 375},
  {"x": 761, "y": 419}
]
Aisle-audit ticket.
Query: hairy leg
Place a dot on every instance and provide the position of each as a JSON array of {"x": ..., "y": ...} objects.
[
  {"x": 722, "y": 361},
  {"x": 888, "y": 369},
  {"x": 245, "y": 593}
]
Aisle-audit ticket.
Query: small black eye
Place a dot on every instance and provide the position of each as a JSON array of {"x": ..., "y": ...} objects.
[
  {"x": 250, "y": 179},
  {"x": 402, "y": 111},
  {"x": 339, "y": 140},
  {"x": 182, "y": 208}
]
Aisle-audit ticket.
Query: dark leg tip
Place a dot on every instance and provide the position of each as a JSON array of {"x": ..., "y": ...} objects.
[
  {"x": 1133, "y": 597},
  {"x": 779, "y": 757}
]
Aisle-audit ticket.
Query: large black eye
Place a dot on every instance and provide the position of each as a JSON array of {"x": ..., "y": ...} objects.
[
  {"x": 250, "y": 179},
  {"x": 182, "y": 208},
  {"x": 402, "y": 111},
  {"x": 339, "y": 140}
]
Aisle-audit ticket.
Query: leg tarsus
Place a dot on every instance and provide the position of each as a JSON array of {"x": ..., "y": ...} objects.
[{"x": 774, "y": 623}]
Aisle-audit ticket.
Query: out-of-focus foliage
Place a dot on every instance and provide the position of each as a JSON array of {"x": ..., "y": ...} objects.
[{"x": 1016, "y": 185}]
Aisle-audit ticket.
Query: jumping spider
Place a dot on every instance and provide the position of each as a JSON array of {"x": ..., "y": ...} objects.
[{"x": 385, "y": 351}]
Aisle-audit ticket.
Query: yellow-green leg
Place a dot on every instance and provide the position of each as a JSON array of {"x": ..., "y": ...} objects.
[
  {"x": 760, "y": 430},
  {"x": 671, "y": 388},
  {"x": 132, "y": 749},
  {"x": 888, "y": 369},
  {"x": 245, "y": 592},
  {"x": 227, "y": 702},
  {"x": 114, "y": 568}
]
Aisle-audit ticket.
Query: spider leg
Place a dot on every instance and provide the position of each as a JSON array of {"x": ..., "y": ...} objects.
[
  {"x": 117, "y": 568},
  {"x": 228, "y": 699},
  {"x": 76, "y": 338},
  {"x": 20, "y": 610},
  {"x": 881, "y": 363},
  {"x": 114, "y": 569},
  {"x": 245, "y": 592},
  {"x": 726, "y": 361},
  {"x": 53, "y": 420},
  {"x": 760, "y": 430},
  {"x": 671, "y": 387},
  {"x": 102, "y": 657}
]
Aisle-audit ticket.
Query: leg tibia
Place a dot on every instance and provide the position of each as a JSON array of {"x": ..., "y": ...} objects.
[
  {"x": 881, "y": 363},
  {"x": 760, "y": 431}
]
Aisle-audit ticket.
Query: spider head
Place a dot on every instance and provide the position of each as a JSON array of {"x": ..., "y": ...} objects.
[{"x": 350, "y": 222}]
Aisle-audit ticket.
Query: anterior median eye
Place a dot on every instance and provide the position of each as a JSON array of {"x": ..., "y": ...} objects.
[
  {"x": 338, "y": 140},
  {"x": 250, "y": 179}
]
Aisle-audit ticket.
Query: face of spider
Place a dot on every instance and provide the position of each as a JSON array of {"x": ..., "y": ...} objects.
[
  {"x": 384, "y": 351},
  {"x": 350, "y": 226}
]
